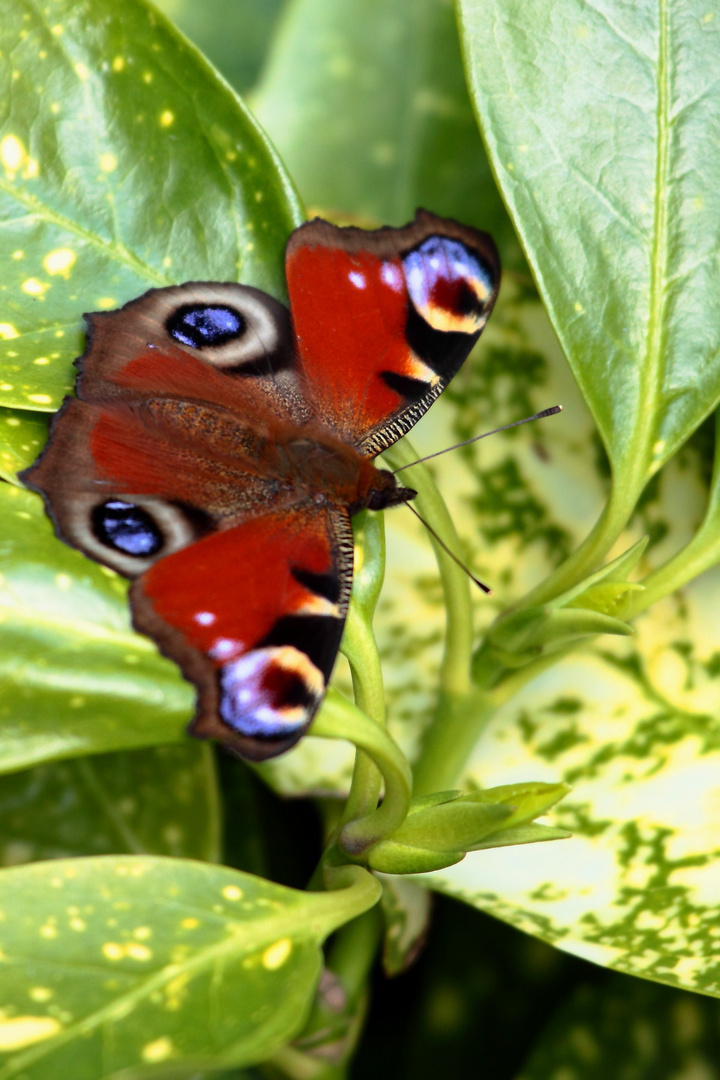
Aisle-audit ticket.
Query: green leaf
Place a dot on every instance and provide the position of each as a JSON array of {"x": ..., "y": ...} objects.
[
  {"x": 628, "y": 1029},
  {"x": 76, "y": 679},
  {"x": 22, "y": 437},
  {"x": 406, "y": 909},
  {"x": 601, "y": 128},
  {"x": 125, "y": 163},
  {"x": 159, "y": 801},
  {"x": 367, "y": 103},
  {"x": 117, "y": 963},
  {"x": 233, "y": 34}
]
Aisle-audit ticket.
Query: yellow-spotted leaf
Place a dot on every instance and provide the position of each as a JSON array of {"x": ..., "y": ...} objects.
[
  {"x": 22, "y": 436},
  {"x": 144, "y": 966},
  {"x": 75, "y": 678},
  {"x": 125, "y": 163}
]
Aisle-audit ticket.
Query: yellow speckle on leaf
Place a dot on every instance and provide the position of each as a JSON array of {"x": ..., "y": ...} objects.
[
  {"x": 579, "y": 308},
  {"x": 232, "y": 892},
  {"x": 118, "y": 63},
  {"x": 106, "y": 302},
  {"x": 40, "y": 993},
  {"x": 82, "y": 72},
  {"x": 108, "y": 163},
  {"x": 78, "y": 924},
  {"x": 160, "y": 1050},
  {"x": 167, "y": 118},
  {"x": 138, "y": 952},
  {"x": 60, "y": 261},
  {"x": 147, "y": 77},
  {"x": 167, "y": 261},
  {"x": 48, "y": 931},
  {"x": 18, "y": 255},
  {"x": 7, "y": 331},
  {"x": 658, "y": 447},
  {"x": 275, "y": 956},
  {"x": 55, "y": 108},
  {"x": 112, "y": 951},
  {"x": 63, "y": 581},
  {"x": 6, "y": 386},
  {"x": 33, "y": 287},
  {"x": 40, "y": 399},
  {"x": 26, "y": 1030},
  {"x": 142, "y": 933},
  {"x": 77, "y": 701},
  {"x": 12, "y": 153},
  {"x": 57, "y": 30},
  {"x": 41, "y": 361}
]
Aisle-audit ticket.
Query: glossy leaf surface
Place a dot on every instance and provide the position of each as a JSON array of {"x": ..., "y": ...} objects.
[
  {"x": 157, "y": 801},
  {"x": 148, "y": 964},
  {"x": 125, "y": 164},
  {"x": 76, "y": 678},
  {"x": 602, "y": 127}
]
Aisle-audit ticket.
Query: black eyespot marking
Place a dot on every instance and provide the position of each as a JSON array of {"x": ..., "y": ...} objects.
[
  {"x": 318, "y": 636},
  {"x": 203, "y": 325},
  {"x": 127, "y": 528},
  {"x": 443, "y": 350}
]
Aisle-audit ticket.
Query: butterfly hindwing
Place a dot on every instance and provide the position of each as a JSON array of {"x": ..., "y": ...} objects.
[
  {"x": 254, "y": 615},
  {"x": 384, "y": 319}
]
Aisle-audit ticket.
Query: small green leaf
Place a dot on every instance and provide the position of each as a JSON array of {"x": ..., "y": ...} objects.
[
  {"x": 521, "y": 834},
  {"x": 406, "y": 908},
  {"x": 158, "y": 801},
  {"x": 125, "y": 163},
  {"x": 596, "y": 121},
  {"x": 391, "y": 857},
  {"x": 119, "y": 963},
  {"x": 76, "y": 678}
]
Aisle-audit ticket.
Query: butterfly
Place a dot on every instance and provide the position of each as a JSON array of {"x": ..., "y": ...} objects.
[{"x": 219, "y": 444}]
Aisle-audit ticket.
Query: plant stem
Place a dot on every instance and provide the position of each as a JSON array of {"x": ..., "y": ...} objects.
[{"x": 458, "y": 722}]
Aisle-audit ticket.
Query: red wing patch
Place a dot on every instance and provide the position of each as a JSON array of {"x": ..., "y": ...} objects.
[
  {"x": 384, "y": 320},
  {"x": 254, "y": 616}
]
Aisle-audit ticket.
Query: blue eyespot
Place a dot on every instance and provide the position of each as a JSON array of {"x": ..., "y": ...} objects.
[
  {"x": 202, "y": 325},
  {"x": 127, "y": 528}
]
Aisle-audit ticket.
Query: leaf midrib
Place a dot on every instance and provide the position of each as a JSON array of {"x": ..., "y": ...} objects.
[{"x": 653, "y": 367}]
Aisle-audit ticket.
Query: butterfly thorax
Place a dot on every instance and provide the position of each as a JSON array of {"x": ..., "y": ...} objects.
[{"x": 334, "y": 472}]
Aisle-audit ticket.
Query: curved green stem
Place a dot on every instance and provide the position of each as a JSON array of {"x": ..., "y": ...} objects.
[
  {"x": 339, "y": 719},
  {"x": 591, "y": 552}
]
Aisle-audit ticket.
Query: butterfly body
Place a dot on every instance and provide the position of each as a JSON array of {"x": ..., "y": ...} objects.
[{"x": 219, "y": 445}]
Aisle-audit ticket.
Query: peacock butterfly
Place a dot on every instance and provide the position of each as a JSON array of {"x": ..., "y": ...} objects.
[{"x": 219, "y": 445}]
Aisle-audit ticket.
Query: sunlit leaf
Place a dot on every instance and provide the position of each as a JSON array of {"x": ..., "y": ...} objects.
[
  {"x": 138, "y": 963},
  {"x": 22, "y": 436},
  {"x": 125, "y": 163},
  {"x": 601, "y": 125},
  {"x": 75, "y": 678}
]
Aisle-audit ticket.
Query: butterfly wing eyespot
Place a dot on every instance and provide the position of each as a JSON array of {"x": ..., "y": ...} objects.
[
  {"x": 385, "y": 319},
  {"x": 260, "y": 666}
]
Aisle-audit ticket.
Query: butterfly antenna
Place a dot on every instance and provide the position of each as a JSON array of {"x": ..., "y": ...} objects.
[
  {"x": 538, "y": 416},
  {"x": 453, "y": 556}
]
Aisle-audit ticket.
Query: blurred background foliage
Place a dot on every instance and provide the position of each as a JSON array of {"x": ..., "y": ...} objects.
[{"x": 483, "y": 999}]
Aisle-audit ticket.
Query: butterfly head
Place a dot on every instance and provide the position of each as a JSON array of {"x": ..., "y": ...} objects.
[{"x": 385, "y": 491}]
